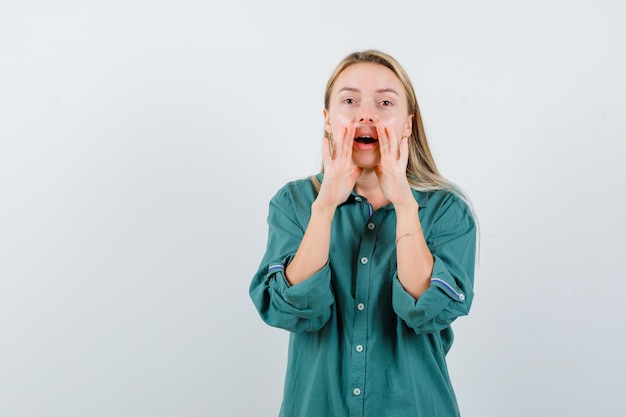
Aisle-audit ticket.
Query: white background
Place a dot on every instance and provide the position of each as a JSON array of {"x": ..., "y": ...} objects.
[{"x": 140, "y": 142}]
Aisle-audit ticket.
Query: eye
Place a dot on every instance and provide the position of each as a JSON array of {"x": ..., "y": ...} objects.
[
  {"x": 349, "y": 101},
  {"x": 386, "y": 103}
]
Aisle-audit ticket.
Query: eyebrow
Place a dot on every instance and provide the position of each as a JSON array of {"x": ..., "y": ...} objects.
[{"x": 381, "y": 90}]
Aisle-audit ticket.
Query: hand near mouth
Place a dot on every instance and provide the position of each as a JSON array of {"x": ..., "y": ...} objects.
[
  {"x": 340, "y": 172},
  {"x": 391, "y": 173}
]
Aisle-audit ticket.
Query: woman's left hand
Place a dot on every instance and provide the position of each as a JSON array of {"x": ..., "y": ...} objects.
[{"x": 394, "y": 156}]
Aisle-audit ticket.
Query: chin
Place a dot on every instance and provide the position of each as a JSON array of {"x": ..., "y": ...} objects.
[{"x": 366, "y": 163}]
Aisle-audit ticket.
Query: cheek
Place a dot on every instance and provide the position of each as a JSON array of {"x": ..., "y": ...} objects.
[
  {"x": 342, "y": 119},
  {"x": 397, "y": 122},
  {"x": 400, "y": 125}
]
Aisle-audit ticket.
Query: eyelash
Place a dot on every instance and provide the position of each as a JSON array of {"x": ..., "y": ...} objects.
[{"x": 384, "y": 103}]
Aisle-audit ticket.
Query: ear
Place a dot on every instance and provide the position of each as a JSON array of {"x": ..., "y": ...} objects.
[
  {"x": 408, "y": 128},
  {"x": 327, "y": 126}
]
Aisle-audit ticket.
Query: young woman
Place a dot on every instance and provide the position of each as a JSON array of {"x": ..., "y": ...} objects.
[{"x": 369, "y": 262}]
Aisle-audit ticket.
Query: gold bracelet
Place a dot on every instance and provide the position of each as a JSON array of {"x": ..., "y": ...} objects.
[{"x": 408, "y": 234}]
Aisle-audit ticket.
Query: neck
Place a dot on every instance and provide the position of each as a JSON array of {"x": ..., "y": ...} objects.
[{"x": 368, "y": 186}]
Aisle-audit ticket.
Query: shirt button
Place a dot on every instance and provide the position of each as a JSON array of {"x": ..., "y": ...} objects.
[
  {"x": 359, "y": 348},
  {"x": 360, "y": 306},
  {"x": 371, "y": 226},
  {"x": 357, "y": 391},
  {"x": 364, "y": 260},
  {"x": 358, "y": 198}
]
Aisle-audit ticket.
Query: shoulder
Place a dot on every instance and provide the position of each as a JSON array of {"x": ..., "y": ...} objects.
[
  {"x": 300, "y": 188},
  {"x": 446, "y": 208},
  {"x": 296, "y": 195}
]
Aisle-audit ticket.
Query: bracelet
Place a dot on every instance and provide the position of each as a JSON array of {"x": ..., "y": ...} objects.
[{"x": 408, "y": 234}]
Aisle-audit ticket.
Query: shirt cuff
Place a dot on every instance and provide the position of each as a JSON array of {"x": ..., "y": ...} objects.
[
  {"x": 442, "y": 279},
  {"x": 437, "y": 307},
  {"x": 309, "y": 294}
]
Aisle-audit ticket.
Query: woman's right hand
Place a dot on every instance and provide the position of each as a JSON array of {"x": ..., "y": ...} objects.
[{"x": 340, "y": 172}]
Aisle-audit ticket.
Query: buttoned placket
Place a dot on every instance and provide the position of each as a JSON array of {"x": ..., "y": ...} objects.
[{"x": 360, "y": 328}]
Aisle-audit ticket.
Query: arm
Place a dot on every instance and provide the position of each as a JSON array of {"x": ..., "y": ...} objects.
[
  {"x": 339, "y": 179},
  {"x": 435, "y": 273},
  {"x": 415, "y": 262},
  {"x": 312, "y": 253},
  {"x": 292, "y": 288},
  {"x": 452, "y": 243},
  {"x": 303, "y": 307}
]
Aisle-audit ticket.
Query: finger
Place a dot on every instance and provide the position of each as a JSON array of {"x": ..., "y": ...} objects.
[
  {"x": 349, "y": 141},
  {"x": 346, "y": 142},
  {"x": 326, "y": 151},
  {"x": 341, "y": 142},
  {"x": 336, "y": 145},
  {"x": 383, "y": 140},
  {"x": 393, "y": 142},
  {"x": 404, "y": 151}
]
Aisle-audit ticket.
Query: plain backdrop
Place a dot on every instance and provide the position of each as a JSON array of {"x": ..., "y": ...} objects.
[{"x": 141, "y": 141}]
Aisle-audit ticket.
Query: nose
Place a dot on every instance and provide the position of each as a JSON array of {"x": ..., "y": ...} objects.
[{"x": 366, "y": 113}]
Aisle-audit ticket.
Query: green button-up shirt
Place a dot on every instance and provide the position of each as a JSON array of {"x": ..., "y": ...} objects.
[{"x": 360, "y": 345}]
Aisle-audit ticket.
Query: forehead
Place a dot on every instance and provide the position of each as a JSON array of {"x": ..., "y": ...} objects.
[{"x": 368, "y": 76}]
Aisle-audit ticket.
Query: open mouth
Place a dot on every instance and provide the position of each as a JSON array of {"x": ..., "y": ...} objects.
[{"x": 365, "y": 139}]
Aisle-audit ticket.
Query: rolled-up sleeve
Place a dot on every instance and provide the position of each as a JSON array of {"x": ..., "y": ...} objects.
[
  {"x": 302, "y": 307},
  {"x": 452, "y": 242}
]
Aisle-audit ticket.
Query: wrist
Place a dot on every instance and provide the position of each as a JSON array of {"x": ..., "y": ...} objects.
[
  {"x": 323, "y": 211},
  {"x": 403, "y": 195},
  {"x": 409, "y": 207}
]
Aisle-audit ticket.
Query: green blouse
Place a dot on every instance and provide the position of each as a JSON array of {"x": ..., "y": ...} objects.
[{"x": 360, "y": 345}]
